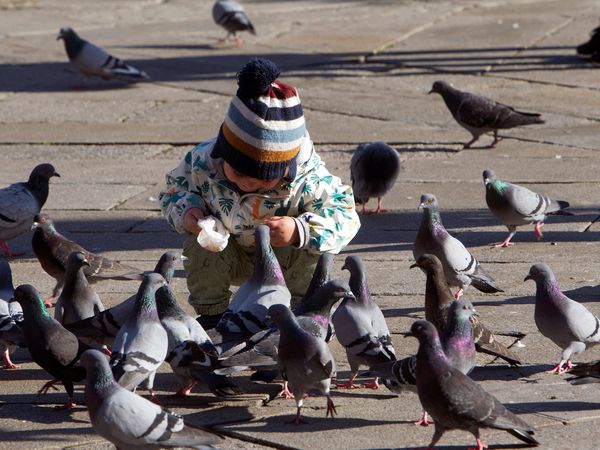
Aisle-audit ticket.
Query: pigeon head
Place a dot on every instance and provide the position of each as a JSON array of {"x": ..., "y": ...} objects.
[
  {"x": 145, "y": 299},
  {"x": 440, "y": 87},
  {"x": 321, "y": 275},
  {"x": 540, "y": 273},
  {"x": 30, "y": 300},
  {"x": 428, "y": 263},
  {"x": 428, "y": 201},
  {"x": 280, "y": 314},
  {"x": 166, "y": 264},
  {"x": 66, "y": 33},
  {"x": 489, "y": 176},
  {"x": 323, "y": 299},
  {"x": 358, "y": 277},
  {"x": 77, "y": 260},
  {"x": 424, "y": 331},
  {"x": 97, "y": 369},
  {"x": 462, "y": 309},
  {"x": 42, "y": 173},
  {"x": 43, "y": 221}
]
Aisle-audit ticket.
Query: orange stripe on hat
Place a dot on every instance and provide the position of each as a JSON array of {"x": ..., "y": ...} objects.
[{"x": 255, "y": 153}]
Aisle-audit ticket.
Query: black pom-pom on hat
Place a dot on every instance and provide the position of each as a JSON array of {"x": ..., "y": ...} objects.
[{"x": 256, "y": 77}]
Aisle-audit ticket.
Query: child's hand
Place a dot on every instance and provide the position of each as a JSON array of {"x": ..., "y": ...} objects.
[
  {"x": 283, "y": 231},
  {"x": 191, "y": 218}
]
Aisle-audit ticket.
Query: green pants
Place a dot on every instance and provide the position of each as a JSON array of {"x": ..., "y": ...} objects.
[{"x": 211, "y": 275}]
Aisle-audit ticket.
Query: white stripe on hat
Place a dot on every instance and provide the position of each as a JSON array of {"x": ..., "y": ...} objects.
[
  {"x": 280, "y": 125},
  {"x": 258, "y": 143}
]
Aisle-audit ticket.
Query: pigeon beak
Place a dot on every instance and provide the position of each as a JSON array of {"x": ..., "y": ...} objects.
[
  {"x": 420, "y": 207},
  {"x": 344, "y": 267},
  {"x": 413, "y": 266},
  {"x": 475, "y": 313},
  {"x": 86, "y": 263},
  {"x": 56, "y": 174},
  {"x": 430, "y": 91},
  {"x": 350, "y": 295},
  {"x": 528, "y": 277},
  {"x": 34, "y": 225},
  {"x": 184, "y": 258},
  {"x": 486, "y": 181},
  {"x": 59, "y": 37},
  {"x": 407, "y": 334}
]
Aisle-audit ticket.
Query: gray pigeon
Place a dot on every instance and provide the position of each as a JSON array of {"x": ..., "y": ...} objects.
[
  {"x": 53, "y": 249},
  {"x": 248, "y": 308},
  {"x": 50, "y": 345},
  {"x": 374, "y": 169},
  {"x": 141, "y": 344},
  {"x": 568, "y": 324},
  {"x": 460, "y": 267},
  {"x": 305, "y": 361},
  {"x": 360, "y": 326},
  {"x": 11, "y": 317},
  {"x": 516, "y": 205},
  {"x": 231, "y": 15},
  {"x": 190, "y": 352},
  {"x": 91, "y": 60},
  {"x": 104, "y": 326},
  {"x": 453, "y": 399},
  {"x": 21, "y": 202},
  {"x": 479, "y": 115},
  {"x": 438, "y": 300},
  {"x": 130, "y": 421},
  {"x": 78, "y": 300}
]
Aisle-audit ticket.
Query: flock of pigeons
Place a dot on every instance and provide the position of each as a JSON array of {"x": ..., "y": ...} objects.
[{"x": 117, "y": 350}]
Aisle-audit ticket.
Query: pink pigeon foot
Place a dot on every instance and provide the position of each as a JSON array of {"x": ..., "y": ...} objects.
[
  {"x": 364, "y": 210},
  {"x": 538, "y": 230},
  {"x": 154, "y": 399},
  {"x": 379, "y": 209},
  {"x": 559, "y": 369},
  {"x": 348, "y": 385},
  {"x": 49, "y": 302},
  {"x": 106, "y": 350},
  {"x": 68, "y": 405},
  {"x": 330, "y": 408},
  {"x": 49, "y": 385},
  {"x": 458, "y": 294},
  {"x": 373, "y": 385},
  {"x": 297, "y": 420},
  {"x": 285, "y": 392},
  {"x": 424, "y": 420},
  {"x": 6, "y": 250},
  {"x": 8, "y": 364},
  {"x": 184, "y": 391},
  {"x": 480, "y": 445}
]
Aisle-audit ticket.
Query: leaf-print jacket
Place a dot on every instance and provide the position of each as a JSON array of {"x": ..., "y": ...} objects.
[{"x": 322, "y": 206}]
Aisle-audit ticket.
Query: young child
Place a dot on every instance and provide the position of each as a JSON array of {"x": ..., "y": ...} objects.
[{"x": 261, "y": 168}]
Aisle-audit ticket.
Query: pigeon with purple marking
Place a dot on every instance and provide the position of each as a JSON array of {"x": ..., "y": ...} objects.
[
  {"x": 53, "y": 249},
  {"x": 460, "y": 267},
  {"x": 453, "y": 399},
  {"x": 130, "y": 421},
  {"x": 304, "y": 360},
  {"x": 21, "y": 202},
  {"x": 360, "y": 326},
  {"x": 78, "y": 300},
  {"x": 516, "y": 205},
  {"x": 231, "y": 15},
  {"x": 374, "y": 169},
  {"x": 92, "y": 60},
  {"x": 479, "y": 115},
  {"x": 567, "y": 323}
]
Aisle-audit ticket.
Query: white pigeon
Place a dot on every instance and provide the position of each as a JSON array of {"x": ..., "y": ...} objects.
[
  {"x": 92, "y": 60},
  {"x": 130, "y": 421}
]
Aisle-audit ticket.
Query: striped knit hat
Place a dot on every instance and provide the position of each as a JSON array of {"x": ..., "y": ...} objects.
[{"x": 264, "y": 126}]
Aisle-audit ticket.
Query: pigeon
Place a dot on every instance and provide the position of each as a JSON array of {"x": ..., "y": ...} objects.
[
  {"x": 91, "y": 60},
  {"x": 585, "y": 373},
  {"x": 568, "y": 324},
  {"x": 104, "y": 326},
  {"x": 248, "y": 308},
  {"x": 130, "y": 421},
  {"x": 190, "y": 352},
  {"x": 591, "y": 48},
  {"x": 453, "y": 399},
  {"x": 20, "y": 202},
  {"x": 231, "y": 15},
  {"x": 438, "y": 300},
  {"x": 53, "y": 249},
  {"x": 141, "y": 344},
  {"x": 479, "y": 115},
  {"x": 460, "y": 267},
  {"x": 374, "y": 169},
  {"x": 11, "y": 317},
  {"x": 51, "y": 346},
  {"x": 516, "y": 205},
  {"x": 78, "y": 300},
  {"x": 305, "y": 361},
  {"x": 360, "y": 326}
]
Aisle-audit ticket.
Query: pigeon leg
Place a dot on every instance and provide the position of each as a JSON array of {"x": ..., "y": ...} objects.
[
  {"x": 49, "y": 302},
  {"x": 364, "y": 211},
  {"x": 297, "y": 420},
  {"x": 106, "y": 350},
  {"x": 425, "y": 422},
  {"x": 480, "y": 445},
  {"x": 238, "y": 40},
  {"x": 50, "y": 384},
  {"x": 559, "y": 369},
  {"x": 496, "y": 139},
  {"x": 8, "y": 364},
  {"x": 330, "y": 408},
  {"x": 506, "y": 242},
  {"x": 6, "y": 250},
  {"x": 538, "y": 230},
  {"x": 471, "y": 142},
  {"x": 225, "y": 39},
  {"x": 184, "y": 391},
  {"x": 458, "y": 294},
  {"x": 67, "y": 405},
  {"x": 437, "y": 435},
  {"x": 154, "y": 399},
  {"x": 285, "y": 392},
  {"x": 373, "y": 385},
  {"x": 379, "y": 209},
  {"x": 350, "y": 383}
]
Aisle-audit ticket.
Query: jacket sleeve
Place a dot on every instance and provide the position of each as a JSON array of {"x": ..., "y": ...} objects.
[
  {"x": 180, "y": 194},
  {"x": 329, "y": 220}
]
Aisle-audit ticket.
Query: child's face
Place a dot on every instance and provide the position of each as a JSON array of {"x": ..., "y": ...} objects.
[{"x": 246, "y": 183}]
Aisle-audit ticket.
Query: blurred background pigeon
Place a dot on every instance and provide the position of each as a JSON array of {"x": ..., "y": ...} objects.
[{"x": 231, "y": 15}]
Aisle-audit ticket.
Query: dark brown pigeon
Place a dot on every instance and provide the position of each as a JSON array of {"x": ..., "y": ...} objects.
[{"x": 479, "y": 115}]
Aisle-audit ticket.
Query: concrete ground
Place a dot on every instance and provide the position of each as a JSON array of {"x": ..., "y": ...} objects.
[{"x": 363, "y": 69}]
